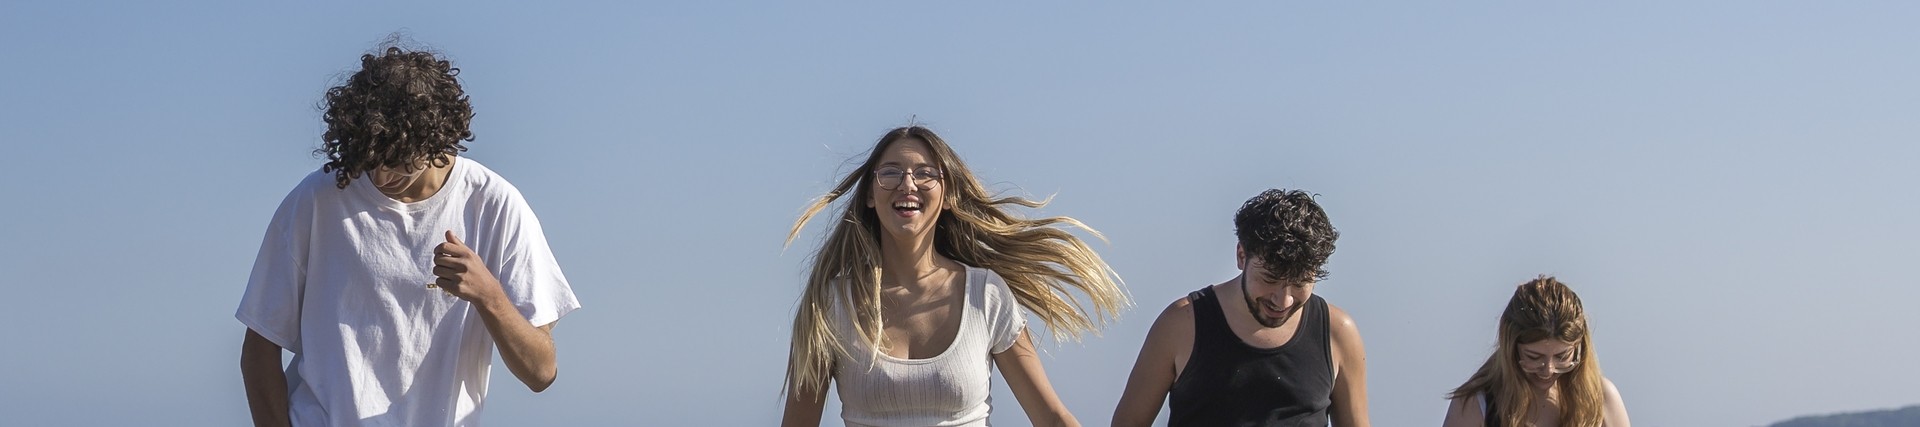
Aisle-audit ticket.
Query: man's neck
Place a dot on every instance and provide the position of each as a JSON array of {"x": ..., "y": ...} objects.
[{"x": 429, "y": 183}]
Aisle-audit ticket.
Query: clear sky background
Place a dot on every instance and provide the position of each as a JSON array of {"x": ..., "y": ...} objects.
[{"x": 1728, "y": 185}]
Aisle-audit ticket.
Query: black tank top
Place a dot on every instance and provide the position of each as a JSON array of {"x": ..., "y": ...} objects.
[
  {"x": 1229, "y": 383},
  {"x": 1489, "y": 411}
]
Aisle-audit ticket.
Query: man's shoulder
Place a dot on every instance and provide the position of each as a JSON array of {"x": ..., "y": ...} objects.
[
  {"x": 317, "y": 184},
  {"x": 1337, "y": 317},
  {"x": 316, "y": 179},
  {"x": 1180, "y": 307},
  {"x": 483, "y": 182},
  {"x": 1341, "y": 326},
  {"x": 1178, "y": 316},
  {"x": 1172, "y": 332}
]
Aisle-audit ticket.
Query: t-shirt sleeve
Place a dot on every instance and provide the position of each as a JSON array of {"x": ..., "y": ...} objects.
[
  {"x": 271, "y": 304},
  {"x": 1006, "y": 319},
  {"x": 523, "y": 262}
]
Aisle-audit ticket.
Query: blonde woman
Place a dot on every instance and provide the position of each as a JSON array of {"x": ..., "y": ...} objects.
[
  {"x": 922, "y": 287},
  {"x": 1543, "y": 372}
]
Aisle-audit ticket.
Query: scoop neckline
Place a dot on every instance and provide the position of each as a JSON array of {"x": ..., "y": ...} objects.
[{"x": 966, "y": 306}]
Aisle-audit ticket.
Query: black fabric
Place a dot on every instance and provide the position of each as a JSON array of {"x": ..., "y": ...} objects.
[
  {"x": 1229, "y": 383},
  {"x": 1489, "y": 412}
]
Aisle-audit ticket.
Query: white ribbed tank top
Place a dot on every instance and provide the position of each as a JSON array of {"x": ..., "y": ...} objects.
[{"x": 948, "y": 389}]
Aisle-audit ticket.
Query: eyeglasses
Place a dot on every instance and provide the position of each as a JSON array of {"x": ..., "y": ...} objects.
[
  {"x": 890, "y": 177},
  {"x": 1558, "y": 363}
]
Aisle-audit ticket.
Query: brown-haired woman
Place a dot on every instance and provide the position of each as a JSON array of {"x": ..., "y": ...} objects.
[
  {"x": 1543, "y": 372},
  {"x": 922, "y": 288}
]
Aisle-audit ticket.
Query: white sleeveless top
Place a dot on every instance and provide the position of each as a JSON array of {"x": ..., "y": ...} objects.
[{"x": 949, "y": 389}]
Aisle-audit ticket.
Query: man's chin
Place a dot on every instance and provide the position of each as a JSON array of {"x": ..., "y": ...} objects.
[{"x": 1272, "y": 322}]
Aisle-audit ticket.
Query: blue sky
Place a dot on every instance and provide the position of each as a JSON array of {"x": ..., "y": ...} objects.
[{"x": 1727, "y": 184}]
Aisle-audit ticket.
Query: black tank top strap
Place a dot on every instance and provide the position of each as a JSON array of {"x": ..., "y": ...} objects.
[
  {"x": 1317, "y": 322},
  {"x": 1208, "y": 321}
]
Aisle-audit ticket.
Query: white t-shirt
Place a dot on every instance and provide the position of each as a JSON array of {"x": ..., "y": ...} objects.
[
  {"x": 949, "y": 389},
  {"x": 341, "y": 282}
]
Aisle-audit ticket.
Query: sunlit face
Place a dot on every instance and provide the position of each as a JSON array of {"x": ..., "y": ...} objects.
[
  {"x": 907, "y": 188},
  {"x": 1271, "y": 299},
  {"x": 391, "y": 180},
  {"x": 1543, "y": 361}
]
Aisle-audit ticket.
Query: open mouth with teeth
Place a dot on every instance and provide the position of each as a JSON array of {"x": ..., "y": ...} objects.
[{"x": 906, "y": 208}]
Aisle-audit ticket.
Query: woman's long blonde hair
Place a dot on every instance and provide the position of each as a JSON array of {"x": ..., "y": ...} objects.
[
  {"x": 1040, "y": 261},
  {"x": 1540, "y": 309}
]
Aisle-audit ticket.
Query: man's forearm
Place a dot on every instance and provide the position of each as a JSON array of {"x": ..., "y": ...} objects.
[
  {"x": 527, "y": 350},
  {"x": 266, "y": 383}
]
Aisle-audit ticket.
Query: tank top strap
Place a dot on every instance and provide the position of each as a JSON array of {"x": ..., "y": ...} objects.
[
  {"x": 1317, "y": 324},
  {"x": 1209, "y": 322}
]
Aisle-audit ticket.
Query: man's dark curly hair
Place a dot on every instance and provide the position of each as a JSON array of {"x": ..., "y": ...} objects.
[
  {"x": 1288, "y": 232},
  {"x": 401, "y": 107}
]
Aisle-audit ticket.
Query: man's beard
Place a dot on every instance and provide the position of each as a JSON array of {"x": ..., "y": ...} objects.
[{"x": 1260, "y": 314}]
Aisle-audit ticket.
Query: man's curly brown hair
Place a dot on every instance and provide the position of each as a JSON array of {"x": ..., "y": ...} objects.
[
  {"x": 401, "y": 107},
  {"x": 1288, "y": 232}
]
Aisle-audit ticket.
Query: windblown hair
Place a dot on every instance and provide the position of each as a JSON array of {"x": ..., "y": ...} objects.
[
  {"x": 1288, "y": 231},
  {"x": 401, "y": 107},
  {"x": 1540, "y": 309},
  {"x": 1040, "y": 261}
]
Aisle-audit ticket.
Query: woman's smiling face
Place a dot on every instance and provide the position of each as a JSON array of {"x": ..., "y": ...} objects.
[{"x": 908, "y": 190}]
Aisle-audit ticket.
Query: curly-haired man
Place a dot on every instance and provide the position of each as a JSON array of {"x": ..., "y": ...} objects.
[
  {"x": 1258, "y": 349},
  {"x": 394, "y": 271}
]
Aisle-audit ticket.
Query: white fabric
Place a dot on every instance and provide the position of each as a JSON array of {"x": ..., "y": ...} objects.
[
  {"x": 949, "y": 389},
  {"x": 341, "y": 278}
]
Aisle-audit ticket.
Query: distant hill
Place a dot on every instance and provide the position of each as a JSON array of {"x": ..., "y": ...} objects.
[{"x": 1903, "y": 417}]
